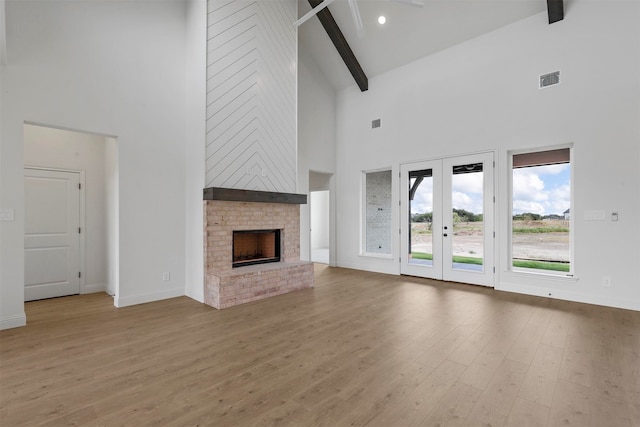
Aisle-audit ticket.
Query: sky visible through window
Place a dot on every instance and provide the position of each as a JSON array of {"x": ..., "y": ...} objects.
[{"x": 542, "y": 190}]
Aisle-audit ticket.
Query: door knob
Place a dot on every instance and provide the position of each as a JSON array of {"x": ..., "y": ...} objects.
[
  {"x": 445, "y": 227},
  {"x": 445, "y": 234}
]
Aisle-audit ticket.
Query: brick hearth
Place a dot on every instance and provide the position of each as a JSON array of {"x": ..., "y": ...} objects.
[{"x": 226, "y": 286}]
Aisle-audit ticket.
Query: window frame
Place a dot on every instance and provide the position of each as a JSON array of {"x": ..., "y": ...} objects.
[
  {"x": 532, "y": 271},
  {"x": 363, "y": 215}
]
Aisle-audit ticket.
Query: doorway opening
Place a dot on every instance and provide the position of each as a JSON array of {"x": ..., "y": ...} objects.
[
  {"x": 321, "y": 227},
  {"x": 71, "y": 205},
  {"x": 319, "y": 204}
]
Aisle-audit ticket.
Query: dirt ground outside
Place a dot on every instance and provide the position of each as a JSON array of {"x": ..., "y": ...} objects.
[{"x": 467, "y": 240}]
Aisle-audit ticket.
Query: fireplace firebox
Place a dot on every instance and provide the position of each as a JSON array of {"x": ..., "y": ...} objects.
[{"x": 255, "y": 247}]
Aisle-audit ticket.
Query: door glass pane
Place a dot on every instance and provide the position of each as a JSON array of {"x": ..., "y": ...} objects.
[
  {"x": 467, "y": 236},
  {"x": 421, "y": 217}
]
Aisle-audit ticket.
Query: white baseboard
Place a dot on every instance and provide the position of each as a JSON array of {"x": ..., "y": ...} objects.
[
  {"x": 126, "y": 301},
  {"x": 367, "y": 266},
  {"x": 93, "y": 288},
  {"x": 196, "y": 297},
  {"x": 569, "y": 296},
  {"x": 14, "y": 321}
]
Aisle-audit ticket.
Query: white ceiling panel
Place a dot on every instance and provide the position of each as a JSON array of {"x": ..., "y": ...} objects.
[{"x": 410, "y": 32}]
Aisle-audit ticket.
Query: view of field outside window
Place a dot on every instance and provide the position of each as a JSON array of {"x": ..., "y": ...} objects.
[
  {"x": 421, "y": 217},
  {"x": 466, "y": 218},
  {"x": 541, "y": 211}
]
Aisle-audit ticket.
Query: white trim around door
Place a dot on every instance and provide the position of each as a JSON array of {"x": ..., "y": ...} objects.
[
  {"x": 452, "y": 202},
  {"x": 54, "y": 232}
]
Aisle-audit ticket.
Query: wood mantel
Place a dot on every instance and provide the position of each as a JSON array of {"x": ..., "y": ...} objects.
[{"x": 235, "y": 195}]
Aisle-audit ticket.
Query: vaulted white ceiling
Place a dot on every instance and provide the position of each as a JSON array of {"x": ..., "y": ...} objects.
[{"x": 410, "y": 32}]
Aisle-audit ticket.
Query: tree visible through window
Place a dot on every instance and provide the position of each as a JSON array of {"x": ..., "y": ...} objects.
[{"x": 541, "y": 224}]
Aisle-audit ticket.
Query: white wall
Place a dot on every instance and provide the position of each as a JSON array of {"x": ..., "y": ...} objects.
[
  {"x": 482, "y": 95},
  {"x": 316, "y": 142},
  {"x": 112, "y": 198},
  {"x": 63, "y": 149},
  {"x": 196, "y": 62},
  {"x": 3, "y": 37},
  {"x": 319, "y": 181},
  {"x": 113, "y": 68}
]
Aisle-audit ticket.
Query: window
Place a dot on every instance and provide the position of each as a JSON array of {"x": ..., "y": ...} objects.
[
  {"x": 541, "y": 212},
  {"x": 377, "y": 213}
]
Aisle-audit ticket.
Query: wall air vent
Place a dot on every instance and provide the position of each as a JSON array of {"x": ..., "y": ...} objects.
[
  {"x": 550, "y": 79},
  {"x": 375, "y": 123}
]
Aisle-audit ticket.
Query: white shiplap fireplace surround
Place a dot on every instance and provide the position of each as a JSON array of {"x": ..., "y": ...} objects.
[{"x": 228, "y": 210}]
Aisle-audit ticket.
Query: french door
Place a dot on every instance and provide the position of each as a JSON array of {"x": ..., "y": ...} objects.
[{"x": 447, "y": 226}]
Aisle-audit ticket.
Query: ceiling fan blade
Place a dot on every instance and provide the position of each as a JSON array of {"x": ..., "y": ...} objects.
[
  {"x": 355, "y": 12},
  {"x": 312, "y": 12}
]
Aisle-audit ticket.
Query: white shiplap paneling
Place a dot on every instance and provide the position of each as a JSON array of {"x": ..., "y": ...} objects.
[{"x": 251, "y": 95}]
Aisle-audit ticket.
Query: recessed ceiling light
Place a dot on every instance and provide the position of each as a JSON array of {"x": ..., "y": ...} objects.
[{"x": 381, "y": 19}]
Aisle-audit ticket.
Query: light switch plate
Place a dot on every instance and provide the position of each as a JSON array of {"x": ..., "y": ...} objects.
[{"x": 7, "y": 214}]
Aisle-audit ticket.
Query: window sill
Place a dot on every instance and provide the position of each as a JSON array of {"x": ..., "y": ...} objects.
[
  {"x": 375, "y": 255},
  {"x": 530, "y": 273}
]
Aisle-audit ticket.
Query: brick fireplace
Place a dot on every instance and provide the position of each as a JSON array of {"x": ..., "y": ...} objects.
[{"x": 254, "y": 218}]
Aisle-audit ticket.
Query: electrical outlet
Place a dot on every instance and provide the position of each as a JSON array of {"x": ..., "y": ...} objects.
[
  {"x": 166, "y": 276},
  {"x": 606, "y": 281}
]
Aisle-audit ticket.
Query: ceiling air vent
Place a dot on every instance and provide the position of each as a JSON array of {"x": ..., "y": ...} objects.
[
  {"x": 550, "y": 79},
  {"x": 375, "y": 123}
]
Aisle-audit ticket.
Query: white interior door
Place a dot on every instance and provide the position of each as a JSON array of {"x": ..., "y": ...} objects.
[
  {"x": 447, "y": 227},
  {"x": 52, "y": 234}
]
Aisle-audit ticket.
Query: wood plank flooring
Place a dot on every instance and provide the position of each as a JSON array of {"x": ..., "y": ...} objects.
[{"x": 359, "y": 349}]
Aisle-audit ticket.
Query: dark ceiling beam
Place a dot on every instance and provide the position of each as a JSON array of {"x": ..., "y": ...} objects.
[
  {"x": 555, "y": 9},
  {"x": 336, "y": 36}
]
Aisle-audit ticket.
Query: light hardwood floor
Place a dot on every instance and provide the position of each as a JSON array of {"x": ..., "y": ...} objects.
[{"x": 359, "y": 349}]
